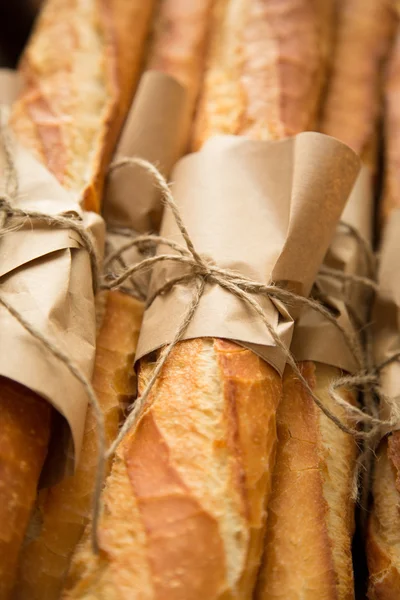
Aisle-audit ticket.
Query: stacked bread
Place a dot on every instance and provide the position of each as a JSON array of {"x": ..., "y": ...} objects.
[
  {"x": 61, "y": 513},
  {"x": 311, "y": 512},
  {"x": 232, "y": 484},
  {"x": 68, "y": 115},
  {"x": 194, "y": 477}
]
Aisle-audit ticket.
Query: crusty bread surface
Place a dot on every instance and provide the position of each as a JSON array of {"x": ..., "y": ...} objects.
[
  {"x": 354, "y": 100},
  {"x": 310, "y": 514},
  {"x": 24, "y": 437},
  {"x": 178, "y": 45},
  {"x": 79, "y": 72},
  {"x": 63, "y": 510},
  {"x": 266, "y": 68},
  {"x": 383, "y": 538},
  {"x": 191, "y": 481},
  {"x": 194, "y": 477}
]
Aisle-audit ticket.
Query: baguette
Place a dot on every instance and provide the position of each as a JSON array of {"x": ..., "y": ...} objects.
[
  {"x": 179, "y": 43},
  {"x": 310, "y": 514},
  {"x": 74, "y": 100},
  {"x": 68, "y": 115},
  {"x": 308, "y": 552},
  {"x": 185, "y": 504},
  {"x": 353, "y": 102},
  {"x": 64, "y": 510},
  {"x": 383, "y": 549}
]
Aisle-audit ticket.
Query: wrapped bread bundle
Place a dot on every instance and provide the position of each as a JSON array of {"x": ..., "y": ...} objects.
[
  {"x": 308, "y": 552},
  {"x": 130, "y": 200},
  {"x": 382, "y": 540},
  {"x": 68, "y": 116},
  {"x": 185, "y": 504}
]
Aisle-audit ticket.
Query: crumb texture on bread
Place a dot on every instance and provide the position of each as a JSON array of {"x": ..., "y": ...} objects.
[
  {"x": 191, "y": 480},
  {"x": 353, "y": 100}
]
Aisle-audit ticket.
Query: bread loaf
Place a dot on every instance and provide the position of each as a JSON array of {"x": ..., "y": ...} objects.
[
  {"x": 310, "y": 514},
  {"x": 78, "y": 74},
  {"x": 383, "y": 549},
  {"x": 185, "y": 504},
  {"x": 353, "y": 102},
  {"x": 64, "y": 510},
  {"x": 179, "y": 43},
  {"x": 308, "y": 552},
  {"x": 266, "y": 68}
]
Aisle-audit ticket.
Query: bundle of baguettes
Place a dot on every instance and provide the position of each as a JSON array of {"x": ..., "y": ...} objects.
[
  {"x": 311, "y": 513},
  {"x": 78, "y": 75},
  {"x": 184, "y": 515},
  {"x": 383, "y": 551},
  {"x": 63, "y": 511}
]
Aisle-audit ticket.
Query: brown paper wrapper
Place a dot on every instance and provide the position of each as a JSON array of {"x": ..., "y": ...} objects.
[
  {"x": 315, "y": 338},
  {"x": 386, "y": 312},
  {"x": 264, "y": 209},
  {"x": 45, "y": 274},
  {"x": 10, "y": 85},
  {"x": 156, "y": 130}
]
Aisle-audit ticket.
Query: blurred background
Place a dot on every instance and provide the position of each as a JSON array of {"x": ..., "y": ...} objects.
[{"x": 16, "y": 20}]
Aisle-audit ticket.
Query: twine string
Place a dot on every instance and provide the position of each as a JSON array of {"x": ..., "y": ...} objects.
[{"x": 244, "y": 289}]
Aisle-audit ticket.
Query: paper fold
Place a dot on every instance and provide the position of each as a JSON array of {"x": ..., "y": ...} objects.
[
  {"x": 264, "y": 209},
  {"x": 315, "y": 338},
  {"x": 155, "y": 130}
]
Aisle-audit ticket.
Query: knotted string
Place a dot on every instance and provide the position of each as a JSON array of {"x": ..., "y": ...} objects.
[{"x": 202, "y": 272}]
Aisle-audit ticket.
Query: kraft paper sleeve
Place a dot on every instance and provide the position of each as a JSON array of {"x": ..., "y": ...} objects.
[
  {"x": 156, "y": 130},
  {"x": 314, "y": 337},
  {"x": 10, "y": 85},
  {"x": 267, "y": 210}
]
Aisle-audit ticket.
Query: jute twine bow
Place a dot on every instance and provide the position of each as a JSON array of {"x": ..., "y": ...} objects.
[
  {"x": 201, "y": 272},
  {"x": 12, "y": 219}
]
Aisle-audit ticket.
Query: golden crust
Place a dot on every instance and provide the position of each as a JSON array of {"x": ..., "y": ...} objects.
[
  {"x": 64, "y": 510},
  {"x": 75, "y": 99},
  {"x": 383, "y": 539},
  {"x": 310, "y": 515},
  {"x": 78, "y": 72},
  {"x": 179, "y": 41},
  {"x": 266, "y": 68},
  {"x": 192, "y": 480},
  {"x": 24, "y": 437},
  {"x": 353, "y": 102}
]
